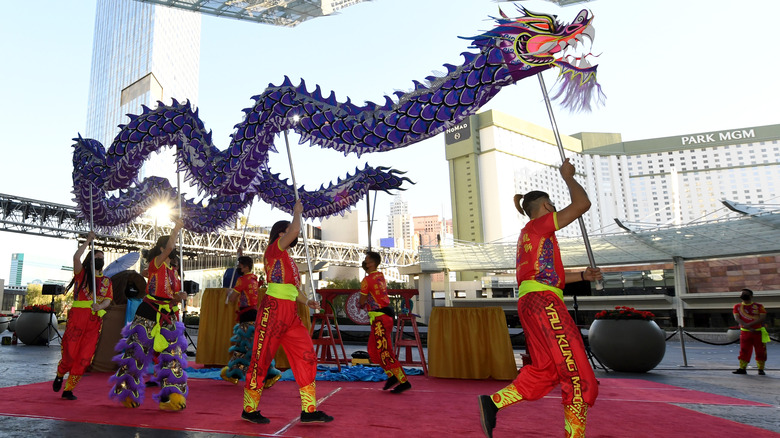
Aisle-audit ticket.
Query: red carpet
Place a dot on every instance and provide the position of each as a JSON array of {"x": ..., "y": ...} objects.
[{"x": 433, "y": 407}]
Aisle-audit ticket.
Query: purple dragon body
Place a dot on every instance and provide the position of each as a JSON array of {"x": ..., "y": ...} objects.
[{"x": 231, "y": 178}]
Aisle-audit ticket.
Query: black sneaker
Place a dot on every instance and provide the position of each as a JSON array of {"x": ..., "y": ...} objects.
[
  {"x": 390, "y": 382},
  {"x": 151, "y": 384},
  {"x": 315, "y": 417},
  {"x": 761, "y": 373},
  {"x": 68, "y": 395},
  {"x": 739, "y": 371},
  {"x": 487, "y": 414},
  {"x": 254, "y": 417},
  {"x": 56, "y": 385},
  {"x": 402, "y": 387}
]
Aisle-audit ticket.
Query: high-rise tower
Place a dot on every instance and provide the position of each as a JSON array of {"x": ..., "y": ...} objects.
[{"x": 141, "y": 54}]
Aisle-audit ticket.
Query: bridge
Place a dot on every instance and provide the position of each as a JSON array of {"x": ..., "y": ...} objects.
[{"x": 201, "y": 251}]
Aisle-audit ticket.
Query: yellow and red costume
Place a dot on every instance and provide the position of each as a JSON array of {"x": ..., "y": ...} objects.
[
  {"x": 380, "y": 313},
  {"x": 247, "y": 287},
  {"x": 278, "y": 324},
  {"x": 554, "y": 341},
  {"x": 750, "y": 340},
  {"x": 83, "y": 329},
  {"x": 155, "y": 329}
]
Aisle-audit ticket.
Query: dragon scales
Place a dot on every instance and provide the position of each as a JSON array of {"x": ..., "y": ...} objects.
[{"x": 230, "y": 179}]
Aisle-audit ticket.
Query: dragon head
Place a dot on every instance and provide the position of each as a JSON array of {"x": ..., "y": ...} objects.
[{"x": 534, "y": 42}]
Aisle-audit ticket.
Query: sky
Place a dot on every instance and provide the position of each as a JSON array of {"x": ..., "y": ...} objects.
[{"x": 667, "y": 68}]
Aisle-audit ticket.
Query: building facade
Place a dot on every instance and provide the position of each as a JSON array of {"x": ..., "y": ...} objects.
[
  {"x": 399, "y": 223},
  {"x": 142, "y": 54},
  {"x": 17, "y": 267},
  {"x": 650, "y": 182}
]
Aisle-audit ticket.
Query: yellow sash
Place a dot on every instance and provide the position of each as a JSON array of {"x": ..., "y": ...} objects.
[
  {"x": 528, "y": 286},
  {"x": 88, "y": 305},
  {"x": 282, "y": 291}
]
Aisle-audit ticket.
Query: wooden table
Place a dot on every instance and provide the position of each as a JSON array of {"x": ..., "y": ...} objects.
[{"x": 470, "y": 343}]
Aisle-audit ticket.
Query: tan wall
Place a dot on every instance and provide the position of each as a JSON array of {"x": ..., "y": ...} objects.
[
  {"x": 724, "y": 275},
  {"x": 732, "y": 275}
]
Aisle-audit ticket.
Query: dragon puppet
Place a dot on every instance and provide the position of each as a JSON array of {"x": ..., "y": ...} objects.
[{"x": 229, "y": 179}]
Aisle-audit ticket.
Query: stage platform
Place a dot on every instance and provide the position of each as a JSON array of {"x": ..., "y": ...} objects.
[{"x": 683, "y": 401}]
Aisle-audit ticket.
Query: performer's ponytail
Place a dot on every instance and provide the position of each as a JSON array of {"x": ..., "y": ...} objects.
[
  {"x": 518, "y": 198},
  {"x": 528, "y": 204}
]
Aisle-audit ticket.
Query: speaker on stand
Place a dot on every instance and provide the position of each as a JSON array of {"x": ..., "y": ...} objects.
[
  {"x": 53, "y": 290},
  {"x": 190, "y": 288}
]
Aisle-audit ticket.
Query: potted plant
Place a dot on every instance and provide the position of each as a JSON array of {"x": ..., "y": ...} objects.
[
  {"x": 31, "y": 326},
  {"x": 627, "y": 339}
]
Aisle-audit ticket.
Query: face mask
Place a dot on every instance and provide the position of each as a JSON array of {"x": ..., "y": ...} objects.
[
  {"x": 99, "y": 264},
  {"x": 294, "y": 242},
  {"x": 365, "y": 268}
]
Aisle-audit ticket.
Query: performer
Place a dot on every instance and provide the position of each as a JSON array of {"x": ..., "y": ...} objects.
[
  {"x": 246, "y": 292},
  {"x": 380, "y": 313},
  {"x": 154, "y": 329},
  {"x": 278, "y": 323},
  {"x": 752, "y": 335},
  {"x": 85, "y": 319},
  {"x": 554, "y": 341}
]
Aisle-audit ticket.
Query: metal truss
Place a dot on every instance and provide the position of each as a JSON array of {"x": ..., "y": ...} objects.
[
  {"x": 201, "y": 251},
  {"x": 286, "y": 13}
]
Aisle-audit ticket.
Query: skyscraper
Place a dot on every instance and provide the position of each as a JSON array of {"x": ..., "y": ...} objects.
[
  {"x": 399, "y": 223},
  {"x": 141, "y": 54},
  {"x": 17, "y": 266}
]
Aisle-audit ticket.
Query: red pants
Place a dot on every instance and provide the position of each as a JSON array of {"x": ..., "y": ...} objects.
[
  {"x": 277, "y": 324},
  {"x": 749, "y": 341},
  {"x": 557, "y": 352},
  {"x": 79, "y": 341},
  {"x": 380, "y": 346}
]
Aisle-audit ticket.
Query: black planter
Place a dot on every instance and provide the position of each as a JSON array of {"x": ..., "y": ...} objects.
[{"x": 628, "y": 345}]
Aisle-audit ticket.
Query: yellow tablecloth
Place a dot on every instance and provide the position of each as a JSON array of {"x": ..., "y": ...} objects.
[
  {"x": 470, "y": 343},
  {"x": 217, "y": 320},
  {"x": 215, "y": 328}
]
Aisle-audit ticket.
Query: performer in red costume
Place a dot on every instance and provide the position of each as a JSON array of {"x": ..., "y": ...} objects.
[
  {"x": 554, "y": 341},
  {"x": 752, "y": 335},
  {"x": 278, "y": 323},
  {"x": 380, "y": 345},
  {"x": 155, "y": 329},
  {"x": 85, "y": 319},
  {"x": 246, "y": 292}
]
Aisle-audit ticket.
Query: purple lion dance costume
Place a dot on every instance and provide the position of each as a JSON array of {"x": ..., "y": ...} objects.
[
  {"x": 230, "y": 179},
  {"x": 137, "y": 349}
]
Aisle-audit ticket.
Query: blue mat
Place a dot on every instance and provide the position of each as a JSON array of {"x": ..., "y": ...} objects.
[{"x": 355, "y": 373}]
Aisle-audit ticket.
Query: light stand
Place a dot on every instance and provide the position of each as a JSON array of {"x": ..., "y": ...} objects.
[
  {"x": 53, "y": 290},
  {"x": 185, "y": 284},
  {"x": 592, "y": 357},
  {"x": 191, "y": 288}
]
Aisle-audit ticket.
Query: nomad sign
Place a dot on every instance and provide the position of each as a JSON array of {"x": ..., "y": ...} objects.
[
  {"x": 459, "y": 132},
  {"x": 737, "y": 134}
]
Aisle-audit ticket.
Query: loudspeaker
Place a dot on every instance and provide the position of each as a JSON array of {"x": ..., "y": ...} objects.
[
  {"x": 52, "y": 289},
  {"x": 190, "y": 287}
]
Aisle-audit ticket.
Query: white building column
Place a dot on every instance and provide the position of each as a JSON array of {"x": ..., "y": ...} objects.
[{"x": 425, "y": 298}]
